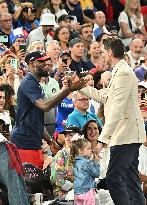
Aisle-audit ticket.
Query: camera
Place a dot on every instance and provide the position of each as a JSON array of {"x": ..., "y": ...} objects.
[{"x": 137, "y": 31}]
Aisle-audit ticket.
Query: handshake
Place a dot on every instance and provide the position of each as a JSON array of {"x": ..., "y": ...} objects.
[{"x": 74, "y": 83}]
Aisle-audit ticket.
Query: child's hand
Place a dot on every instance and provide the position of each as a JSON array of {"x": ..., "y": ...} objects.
[{"x": 96, "y": 157}]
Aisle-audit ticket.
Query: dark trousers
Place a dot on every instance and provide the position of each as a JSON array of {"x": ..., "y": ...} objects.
[{"x": 122, "y": 176}]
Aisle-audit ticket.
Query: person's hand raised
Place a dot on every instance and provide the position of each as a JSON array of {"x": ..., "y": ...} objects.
[{"x": 73, "y": 82}]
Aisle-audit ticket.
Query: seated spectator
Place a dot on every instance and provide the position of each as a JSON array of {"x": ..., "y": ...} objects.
[
  {"x": 130, "y": 20},
  {"x": 76, "y": 48},
  {"x": 63, "y": 67},
  {"x": 53, "y": 50},
  {"x": 100, "y": 25},
  {"x": 4, "y": 114},
  {"x": 67, "y": 22},
  {"x": 136, "y": 52},
  {"x": 5, "y": 28},
  {"x": 61, "y": 168},
  {"x": 16, "y": 47},
  {"x": 93, "y": 105},
  {"x": 3, "y": 7},
  {"x": 140, "y": 71},
  {"x": 45, "y": 30},
  {"x": 36, "y": 46},
  {"x": 62, "y": 35},
  {"x": 95, "y": 56},
  {"x": 86, "y": 35},
  {"x": 26, "y": 18},
  {"x": 54, "y": 7},
  {"x": 12, "y": 74},
  {"x": 80, "y": 115},
  {"x": 101, "y": 38},
  {"x": 111, "y": 9},
  {"x": 10, "y": 102}
]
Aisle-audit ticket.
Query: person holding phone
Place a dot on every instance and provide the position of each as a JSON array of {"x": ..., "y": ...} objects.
[
  {"x": 63, "y": 65},
  {"x": 18, "y": 46},
  {"x": 12, "y": 75}
]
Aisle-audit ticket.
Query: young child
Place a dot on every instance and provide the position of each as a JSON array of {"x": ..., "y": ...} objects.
[{"x": 86, "y": 169}]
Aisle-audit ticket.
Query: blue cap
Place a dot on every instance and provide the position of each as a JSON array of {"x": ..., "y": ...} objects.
[{"x": 14, "y": 38}]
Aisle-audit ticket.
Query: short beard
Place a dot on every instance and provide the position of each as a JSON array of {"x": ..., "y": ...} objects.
[
  {"x": 41, "y": 73},
  {"x": 72, "y": 5}
]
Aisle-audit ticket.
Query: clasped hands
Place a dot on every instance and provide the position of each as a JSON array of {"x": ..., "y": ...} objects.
[{"x": 73, "y": 82}]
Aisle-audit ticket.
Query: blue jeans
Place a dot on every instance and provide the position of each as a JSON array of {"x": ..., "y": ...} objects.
[
  {"x": 15, "y": 184},
  {"x": 123, "y": 177}
]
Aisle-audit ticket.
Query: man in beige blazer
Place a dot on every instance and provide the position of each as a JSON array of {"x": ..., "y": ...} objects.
[{"x": 124, "y": 129}]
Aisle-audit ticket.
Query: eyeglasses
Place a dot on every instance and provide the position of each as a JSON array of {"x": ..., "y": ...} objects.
[
  {"x": 7, "y": 20},
  {"x": 83, "y": 99}
]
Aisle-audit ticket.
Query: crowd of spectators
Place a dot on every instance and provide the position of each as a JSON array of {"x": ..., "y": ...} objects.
[{"x": 71, "y": 33}]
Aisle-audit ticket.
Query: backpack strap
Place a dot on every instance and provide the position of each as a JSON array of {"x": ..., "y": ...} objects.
[{"x": 130, "y": 24}]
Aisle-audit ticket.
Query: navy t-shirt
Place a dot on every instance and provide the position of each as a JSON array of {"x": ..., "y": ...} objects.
[
  {"x": 77, "y": 14},
  {"x": 80, "y": 66},
  {"x": 29, "y": 128}
]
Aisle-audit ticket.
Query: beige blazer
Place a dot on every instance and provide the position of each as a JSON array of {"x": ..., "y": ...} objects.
[{"x": 123, "y": 121}]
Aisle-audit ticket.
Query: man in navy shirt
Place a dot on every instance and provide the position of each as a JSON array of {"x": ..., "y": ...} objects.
[{"x": 29, "y": 129}]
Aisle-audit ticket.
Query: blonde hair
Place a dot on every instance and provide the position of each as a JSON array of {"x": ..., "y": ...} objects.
[
  {"x": 128, "y": 11},
  {"x": 32, "y": 44}
]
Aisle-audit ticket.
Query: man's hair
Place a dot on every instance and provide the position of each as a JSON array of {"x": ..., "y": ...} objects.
[
  {"x": 2, "y": 89},
  {"x": 86, "y": 25},
  {"x": 116, "y": 45}
]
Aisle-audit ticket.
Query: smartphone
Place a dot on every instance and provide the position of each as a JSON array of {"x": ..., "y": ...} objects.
[
  {"x": 3, "y": 39},
  {"x": 69, "y": 73},
  {"x": 22, "y": 47},
  {"x": 14, "y": 63},
  {"x": 64, "y": 61}
]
